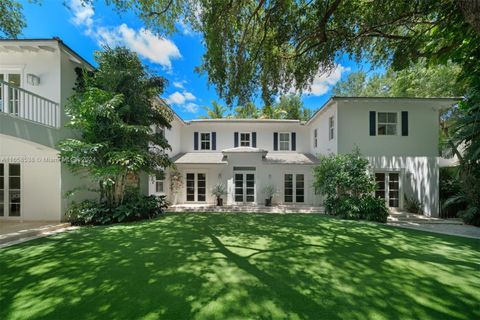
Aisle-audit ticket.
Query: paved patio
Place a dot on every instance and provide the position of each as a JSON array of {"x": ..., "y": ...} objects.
[
  {"x": 245, "y": 208},
  {"x": 13, "y": 232}
]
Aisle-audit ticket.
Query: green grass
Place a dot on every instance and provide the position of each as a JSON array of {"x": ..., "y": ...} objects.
[{"x": 242, "y": 266}]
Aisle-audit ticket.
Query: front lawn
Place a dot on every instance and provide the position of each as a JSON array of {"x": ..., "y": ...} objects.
[{"x": 242, "y": 266}]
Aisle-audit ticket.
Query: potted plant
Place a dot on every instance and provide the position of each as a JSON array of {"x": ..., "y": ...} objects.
[
  {"x": 218, "y": 191},
  {"x": 269, "y": 192}
]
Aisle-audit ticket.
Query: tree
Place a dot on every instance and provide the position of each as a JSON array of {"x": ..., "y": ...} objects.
[
  {"x": 113, "y": 111},
  {"x": 12, "y": 20},
  {"x": 291, "y": 107},
  {"x": 348, "y": 186},
  {"x": 418, "y": 80},
  {"x": 247, "y": 111},
  {"x": 217, "y": 111}
]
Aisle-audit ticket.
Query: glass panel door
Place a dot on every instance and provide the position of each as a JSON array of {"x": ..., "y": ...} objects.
[
  {"x": 393, "y": 190},
  {"x": 14, "y": 93},
  {"x": 299, "y": 188},
  {"x": 201, "y": 186},
  {"x": 190, "y": 186},
  {"x": 244, "y": 187},
  {"x": 288, "y": 186},
  {"x": 250, "y": 187},
  {"x": 2, "y": 190},
  {"x": 14, "y": 189},
  {"x": 388, "y": 188},
  {"x": 239, "y": 187},
  {"x": 2, "y": 108}
]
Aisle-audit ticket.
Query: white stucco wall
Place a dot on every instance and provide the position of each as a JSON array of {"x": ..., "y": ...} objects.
[
  {"x": 225, "y": 134},
  {"x": 265, "y": 174},
  {"x": 325, "y": 145},
  {"x": 43, "y": 64},
  {"x": 40, "y": 178},
  {"x": 422, "y": 139},
  {"x": 419, "y": 178}
]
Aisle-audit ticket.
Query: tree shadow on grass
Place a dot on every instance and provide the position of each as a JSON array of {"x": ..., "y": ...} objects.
[{"x": 223, "y": 266}]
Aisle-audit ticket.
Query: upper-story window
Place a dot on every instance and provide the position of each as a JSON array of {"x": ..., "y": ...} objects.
[
  {"x": 245, "y": 139},
  {"x": 284, "y": 139},
  {"x": 315, "y": 138},
  {"x": 331, "y": 128},
  {"x": 387, "y": 123},
  {"x": 205, "y": 140},
  {"x": 160, "y": 130}
]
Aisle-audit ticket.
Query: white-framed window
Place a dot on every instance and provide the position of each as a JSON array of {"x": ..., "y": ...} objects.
[
  {"x": 159, "y": 183},
  {"x": 284, "y": 141},
  {"x": 10, "y": 99},
  {"x": 294, "y": 188},
  {"x": 331, "y": 128},
  {"x": 245, "y": 139},
  {"x": 160, "y": 130},
  {"x": 205, "y": 140},
  {"x": 196, "y": 187},
  {"x": 387, "y": 123},
  {"x": 315, "y": 138}
]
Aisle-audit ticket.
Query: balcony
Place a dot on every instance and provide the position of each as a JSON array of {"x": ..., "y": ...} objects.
[{"x": 21, "y": 103}]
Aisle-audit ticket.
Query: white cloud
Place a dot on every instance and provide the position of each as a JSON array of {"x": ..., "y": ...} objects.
[
  {"x": 82, "y": 14},
  {"x": 180, "y": 98},
  {"x": 323, "y": 82},
  {"x": 179, "y": 84},
  {"x": 147, "y": 45},
  {"x": 191, "y": 107}
]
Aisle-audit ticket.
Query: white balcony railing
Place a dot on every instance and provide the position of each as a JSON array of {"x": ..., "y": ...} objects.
[{"x": 27, "y": 105}]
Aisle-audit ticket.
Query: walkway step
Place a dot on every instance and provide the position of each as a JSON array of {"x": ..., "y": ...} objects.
[{"x": 16, "y": 237}]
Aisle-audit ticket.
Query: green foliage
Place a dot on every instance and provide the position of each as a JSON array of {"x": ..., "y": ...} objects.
[
  {"x": 113, "y": 111},
  {"x": 216, "y": 111},
  {"x": 12, "y": 20},
  {"x": 418, "y": 80},
  {"x": 413, "y": 205},
  {"x": 135, "y": 207},
  {"x": 269, "y": 191},
  {"x": 348, "y": 186},
  {"x": 219, "y": 190}
]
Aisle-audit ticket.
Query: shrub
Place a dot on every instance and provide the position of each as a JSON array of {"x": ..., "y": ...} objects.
[
  {"x": 346, "y": 182},
  {"x": 135, "y": 207},
  {"x": 413, "y": 205}
]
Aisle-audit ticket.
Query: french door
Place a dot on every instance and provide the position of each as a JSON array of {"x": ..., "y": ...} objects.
[
  {"x": 244, "y": 187},
  {"x": 388, "y": 188},
  {"x": 10, "y": 191},
  {"x": 10, "y": 98},
  {"x": 196, "y": 187},
  {"x": 294, "y": 188}
]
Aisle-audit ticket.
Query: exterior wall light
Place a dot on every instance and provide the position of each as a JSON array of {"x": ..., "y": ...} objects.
[{"x": 33, "y": 79}]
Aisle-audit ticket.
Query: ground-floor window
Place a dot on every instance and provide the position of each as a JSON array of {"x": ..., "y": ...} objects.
[
  {"x": 388, "y": 187},
  {"x": 159, "y": 183},
  {"x": 294, "y": 188},
  {"x": 10, "y": 191},
  {"x": 196, "y": 184}
]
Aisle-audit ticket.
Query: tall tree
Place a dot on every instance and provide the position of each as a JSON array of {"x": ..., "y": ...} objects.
[
  {"x": 114, "y": 110},
  {"x": 216, "y": 111},
  {"x": 418, "y": 80},
  {"x": 247, "y": 111}
]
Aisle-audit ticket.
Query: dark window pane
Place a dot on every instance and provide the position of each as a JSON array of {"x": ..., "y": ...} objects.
[
  {"x": 382, "y": 129},
  {"x": 14, "y": 182},
  {"x": 380, "y": 194},
  {"x": 288, "y": 198},
  {"x": 190, "y": 197},
  {"x": 1, "y": 169},
  {"x": 14, "y": 210},
  {"x": 14, "y": 169},
  {"x": 299, "y": 198}
]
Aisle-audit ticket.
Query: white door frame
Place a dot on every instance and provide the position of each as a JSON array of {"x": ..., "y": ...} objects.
[
  {"x": 244, "y": 187},
  {"x": 294, "y": 188},
  {"x": 387, "y": 187},
  {"x": 6, "y": 191},
  {"x": 195, "y": 186}
]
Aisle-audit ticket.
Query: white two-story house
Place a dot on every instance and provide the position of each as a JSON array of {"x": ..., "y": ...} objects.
[{"x": 399, "y": 136}]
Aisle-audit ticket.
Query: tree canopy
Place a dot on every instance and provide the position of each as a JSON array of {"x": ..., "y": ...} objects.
[{"x": 417, "y": 80}]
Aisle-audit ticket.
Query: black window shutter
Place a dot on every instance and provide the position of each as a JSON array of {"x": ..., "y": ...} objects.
[
  {"x": 373, "y": 123},
  {"x": 275, "y": 141},
  {"x": 404, "y": 123},
  {"x": 294, "y": 141},
  {"x": 254, "y": 139},
  {"x": 214, "y": 141},
  {"x": 235, "y": 139},
  {"x": 195, "y": 140}
]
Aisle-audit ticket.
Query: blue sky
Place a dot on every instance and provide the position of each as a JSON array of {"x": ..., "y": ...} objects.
[{"x": 85, "y": 29}]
